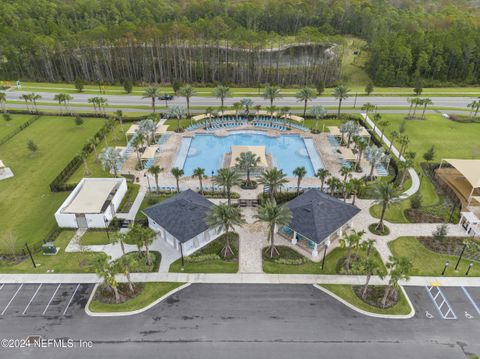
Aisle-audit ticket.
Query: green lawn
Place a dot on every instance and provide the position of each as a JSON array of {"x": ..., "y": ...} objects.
[
  {"x": 116, "y": 137},
  {"x": 129, "y": 198},
  {"x": 62, "y": 262},
  {"x": 428, "y": 263},
  {"x": 210, "y": 266},
  {"x": 149, "y": 200},
  {"x": 26, "y": 203},
  {"x": 94, "y": 237},
  {"x": 309, "y": 267},
  {"x": 9, "y": 126},
  {"x": 346, "y": 293},
  {"x": 150, "y": 293}
]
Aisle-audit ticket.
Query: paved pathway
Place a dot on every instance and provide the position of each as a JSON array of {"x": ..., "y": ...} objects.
[
  {"x": 252, "y": 238},
  {"x": 169, "y": 254}
]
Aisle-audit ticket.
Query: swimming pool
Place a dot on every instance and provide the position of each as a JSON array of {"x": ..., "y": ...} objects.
[{"x": 207, "y": 151}]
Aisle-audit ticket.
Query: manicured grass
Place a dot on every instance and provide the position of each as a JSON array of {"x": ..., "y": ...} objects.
[
  {"x": 116, "y": 137},
  {"x": 130, "y": 196},
  {"x": 210, "y": 266},
  {"x": 353, "y": 71},
  {"x": 62, "y": 262},
  {"x": 92, "y": 238},
  {"x": 9, "y": 126},
  {"x": 346, "y": 293},
  {"x": 173, "y": 123},
  {"x": 428, "y": 263},
  {"x": 309, "y": 267},
  {"x": 149, "y": 200},
  {"x": 150, "y": 293},
  {"x": 27, "y": 206}
]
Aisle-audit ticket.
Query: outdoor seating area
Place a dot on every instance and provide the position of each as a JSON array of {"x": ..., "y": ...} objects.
[{"x": 228, "y": 120}]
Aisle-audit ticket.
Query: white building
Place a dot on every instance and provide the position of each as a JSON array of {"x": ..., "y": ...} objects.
[
  {"x": 92, "y": 204},
  {"x": 180, "y": 221}
]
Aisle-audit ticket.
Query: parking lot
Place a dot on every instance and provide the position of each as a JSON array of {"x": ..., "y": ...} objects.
[
  {"x": 49, "y": 300},
  {"x": 445, "y": 303}
]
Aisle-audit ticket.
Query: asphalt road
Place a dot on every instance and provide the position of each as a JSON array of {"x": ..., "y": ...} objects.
[
  {"x": 118, "y": 100},
  {"x": 245, "y": 321}
]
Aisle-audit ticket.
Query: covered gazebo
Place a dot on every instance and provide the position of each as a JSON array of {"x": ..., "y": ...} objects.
[{"x": 463, "y": 178}]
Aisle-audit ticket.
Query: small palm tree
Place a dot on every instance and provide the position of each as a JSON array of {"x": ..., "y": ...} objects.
[
  {"x": 368, "y": 107},
  {"x": 374, "y": 155},
  {"x": 227, "y": 178},
  {"x": 148, "y": 127},
  {"x": 155, "y": 171},
  {"x": 345, "y": 171},
  {"x": 119, "y": 237},
  {"x": 221, "y": 92},
  {"x": 60, "y": 98},
  {"x": 188, "y": 92},
  {"x": 224, "y": 218},
  {"x": 274, "y": 179},
  {"x": 200, "y": 174},
  {"x": 361, "y": 147},
  {"x": 319, "y": 112},
  {"x": 177, "y": 173},
  {"x": 304, "y": 95},
  {"x": 385, "y": 194},
  {"x": 356, "y": 186},
  {"x": 351, "y": 241},
  {"x": 247, "y": 161},
  {"x": 26, "y": 98},
  {"x": 300, "y": 173},
  {"x": 271, "y": 93},
  {"x": 107, "y": 272},
  {"x": 110, "y": 157},
  {"x": 177, "y": 112},
  {"x": 340, "y": 93},
  {"x": 273, "y": 215},
  {"x": 333, "y": 184},
  {"x": 34, "y": 98},
  {"x": 3, "y": 101},
  {"x": 137, "y": 143},
  {"x": 322, "y": 174},
  {"x": 126, "y": 265},
  {"x": 143, "y": 237},
  {"x": 237, "y": 106},
  {"x": 369, "y": 267},
  {"x": 399, "y": 268},
  {"x": 246, "y": 103},
  {"x": 151, "y": 92},
  {"x": 426, "y": 102}
]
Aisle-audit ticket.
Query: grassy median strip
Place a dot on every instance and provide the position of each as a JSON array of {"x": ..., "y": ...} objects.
[
  {"x": 346, "y": 293},
  {"x": 150, "y": 293}
]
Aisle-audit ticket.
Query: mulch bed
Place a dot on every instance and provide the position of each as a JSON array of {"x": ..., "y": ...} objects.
[
  {"x": 106, "y": 295},
  {"x": 375, "y": 295},
  {"x": 449, "y": 245},
  {"x": 341, "y": 267},
  {"x": 418, "y": 216},
  {"x": 373, "y": 228}
]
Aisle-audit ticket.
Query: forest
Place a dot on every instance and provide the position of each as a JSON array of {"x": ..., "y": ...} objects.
[{"x": 243, "y": 42}]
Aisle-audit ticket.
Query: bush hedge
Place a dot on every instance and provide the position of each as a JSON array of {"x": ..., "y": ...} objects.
[{"x": 18, "y": 129}]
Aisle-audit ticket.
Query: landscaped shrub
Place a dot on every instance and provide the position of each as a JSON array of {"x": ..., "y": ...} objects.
[
  {"x": 202, "y": 258},
  {"x": 280, "y": 197},
  {"x": 18, "y": 129},
  {"x": 416, "y": 200},
  {"x": 440, "y": 232},
  {"x": 290, "y": 261}
]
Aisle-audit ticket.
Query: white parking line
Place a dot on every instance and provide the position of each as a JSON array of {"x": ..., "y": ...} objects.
[
  {"x": 11, "y": 300},
  {"x": 50, "y": 301},
  {"x": 2, "y": 286},
  {"x": 71, "y": 298},
  {"x": 31, "y": 299}
]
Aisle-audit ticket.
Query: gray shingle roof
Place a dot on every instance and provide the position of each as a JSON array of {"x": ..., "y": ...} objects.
[
  {"x": 316, "y": 215},
  {"x": 182, "y": 215}
]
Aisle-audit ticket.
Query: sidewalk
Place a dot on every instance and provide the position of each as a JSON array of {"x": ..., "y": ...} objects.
[{"x": 240, "y": 278}]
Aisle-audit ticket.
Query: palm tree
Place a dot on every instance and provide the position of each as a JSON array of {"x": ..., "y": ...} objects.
[
  {"x": 274, "y": 179},
  {"x": 200, "y": 174},
  {"x": 333, "y": 184},
  {"x": 271, "y": 93},
  {"x": 393, "y": 136},
  {"x": 385, "y": 194},
  {"x": 151, "y": 92},
  {"x": 351, "y": 241},
  {"x": 361, "y": 147},
  {"x": 137, "y": 143},
  {"x": 274, "y": 215},
  {"x": 188, "y": 92},
  {"x": 107, "y": 272},
  {"x": 237, "y": 106},
  {"x": 3, "y": 101},
  {"x": 224, "y": 218},
  {"x": 148, "y": 127},
  {"x": 367, "y": 107},
  {"x": 416, "y": 101},
  {"x": 110, "y": 157},
  {"x": 227, "y": 178},
  {"x": 426, "y": 102},
  {"x": 352, "y": 129},
  {"x": 143, "y": 237},
  {"x": 299, "y": 172},
  {"x": 346, "y": 171},
  {"x": 102, "y": 104},
  {"x": 119, "y": 237},
  {"x": 247, "y": 103},
  {"x": 340, "y": 93},
  {"x": 26, "y": 98},
  {"x": 369, "y": 267},
  {"x": 155, "y": 171},
  {"x": 306, "y": 94},
  {"x": 247, "y": 161},
  {"x": 322, "y": 174},
  {"x": 92, "y": 100},
  {"x": 34, "y": 98},
  {"x": 411, "y": 101},
  {"x": 177, "y": 112},
  {"x": 356, "y": 186},
  {"x": 60, "y": 98},
  {"x": 257, "y": 109},
  {"x": 125, "y": 265},
  {"x": 177, "y": 173},
  {"x": 221, "y": 92},
  {"x": 399, "y": 268},
  {"x": 318, "y": 112},
  {"x": 66, "y": 100},
  {"x": 374, "y": 155}
]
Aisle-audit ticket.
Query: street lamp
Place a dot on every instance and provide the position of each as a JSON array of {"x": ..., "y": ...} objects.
[
  {"x": 31, "y": 257},
  {"x": 469, "y": 267},
  {"x": 148, "y": 181},
  {"x": 213, "y": 174},
  {"x": 325, "y": 246},
  {"x": 181, "y": 254},
  {"x": 461, "y": 255},
  {"x": 106, "y": 227},
  {"x": 445, "y": 268}
]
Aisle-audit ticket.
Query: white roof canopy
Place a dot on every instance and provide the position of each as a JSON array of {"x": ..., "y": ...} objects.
[
  {"x": 92, "y": 196},
  {"x": 470, "y": 169}
]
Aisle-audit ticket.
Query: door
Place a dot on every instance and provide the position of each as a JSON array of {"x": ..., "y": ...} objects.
[{"x": 81, "y": 221}]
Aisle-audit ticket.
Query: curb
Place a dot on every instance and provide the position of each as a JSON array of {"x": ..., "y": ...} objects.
[
  {"x": 370, "y": 314},
  {"x": 133, "y": 312}
]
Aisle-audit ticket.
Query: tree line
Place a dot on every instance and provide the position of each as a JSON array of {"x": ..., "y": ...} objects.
[{"x": 247, "y": 42}]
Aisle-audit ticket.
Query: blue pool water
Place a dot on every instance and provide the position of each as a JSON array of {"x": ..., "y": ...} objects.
[{"x": 207, "y": 151}]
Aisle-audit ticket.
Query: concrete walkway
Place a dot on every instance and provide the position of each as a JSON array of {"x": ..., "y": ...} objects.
[
  {"x": 169, "y": 254},
  {"x": 252, "y": 239},
  {"x": 238, "y": 278},
  {"x": 413, "y": 174}
]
